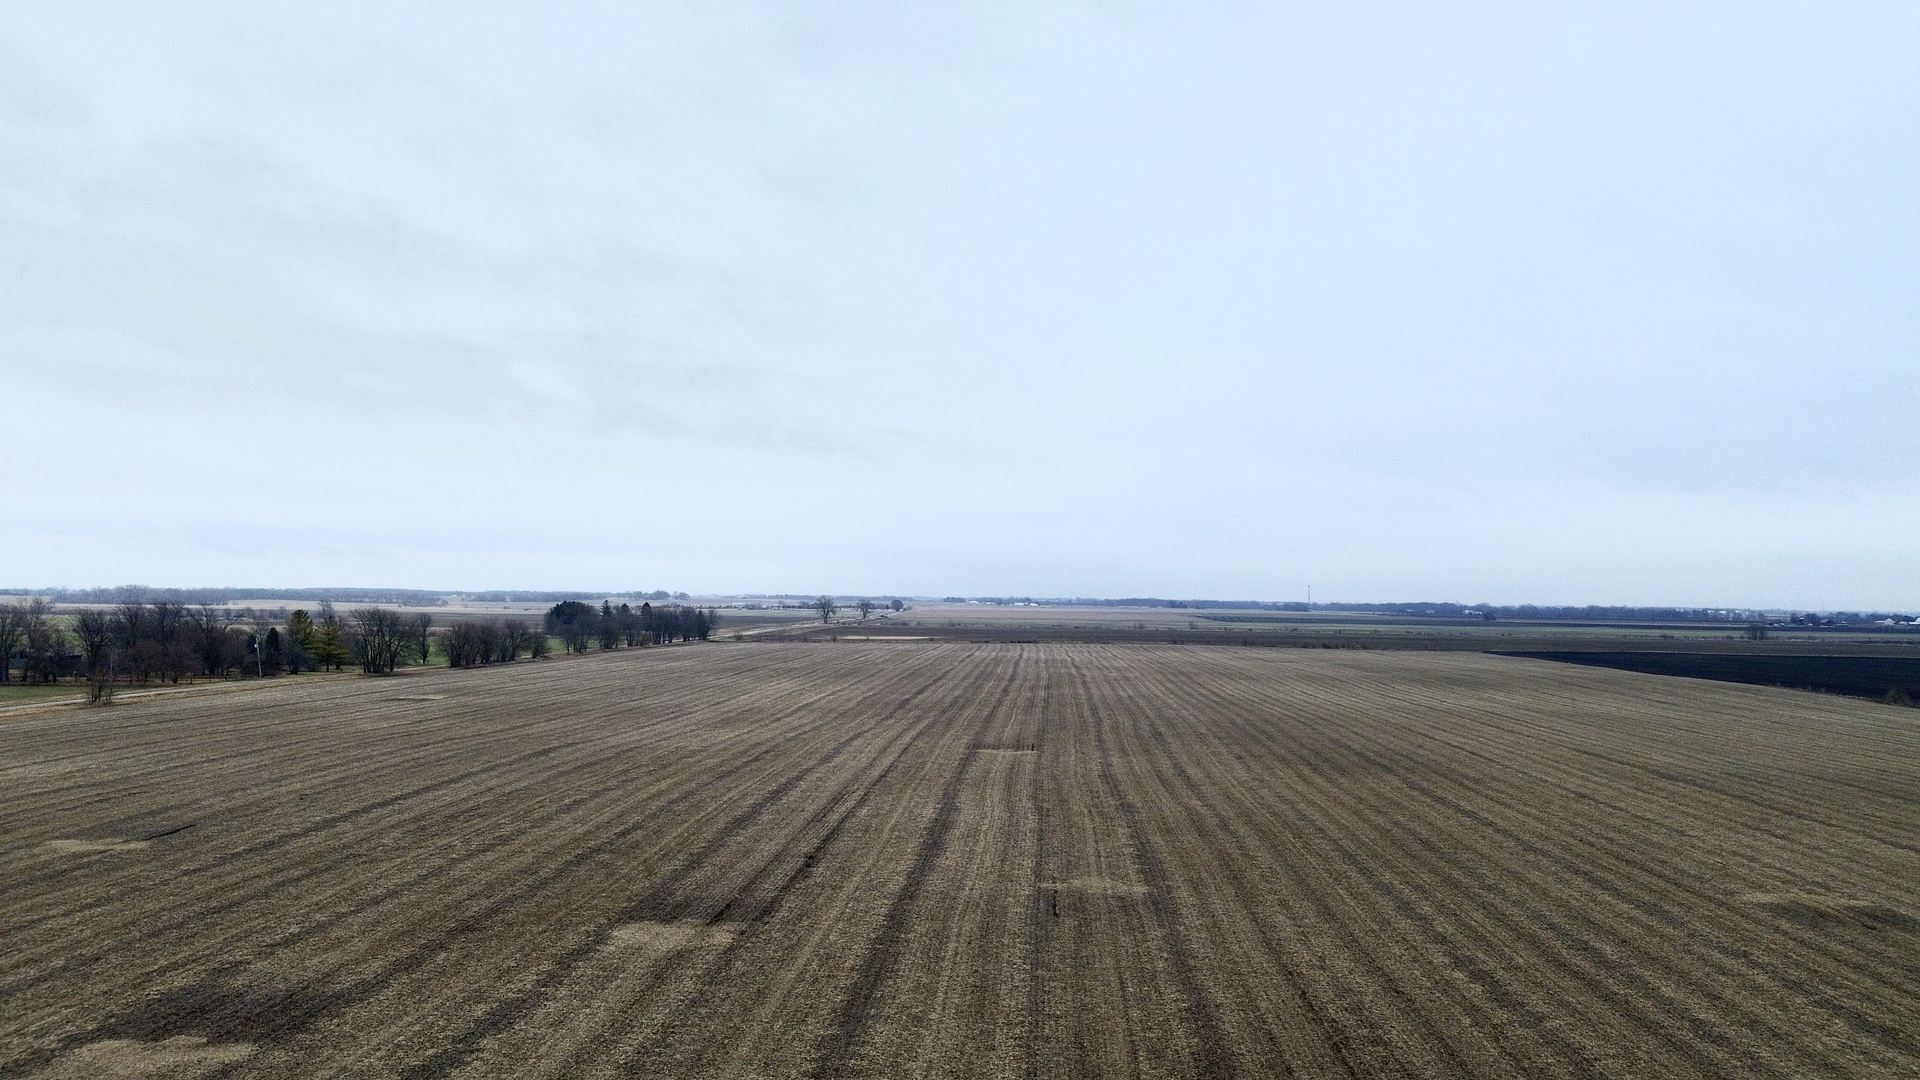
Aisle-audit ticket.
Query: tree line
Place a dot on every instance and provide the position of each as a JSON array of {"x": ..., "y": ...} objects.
[
  {"x": 827, "y": 606},
  {"x": 579, "y": 626},
  {"x": 168, "y": 640},
  {"x": 474, "y": 642}
]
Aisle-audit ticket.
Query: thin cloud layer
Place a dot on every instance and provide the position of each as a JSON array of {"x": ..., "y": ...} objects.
[{"x": 1059, "y": 299}]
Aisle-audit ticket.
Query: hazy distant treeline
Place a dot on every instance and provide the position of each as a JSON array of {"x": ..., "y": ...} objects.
[
  {"x": 1600, "y": 613},
  {"x": 503, "y": 596},
  {"x": 1153, "y": 602},
  {"x": 1444, "y": 610},
  {"x": 128, "y": 594},
  {"x": 125, "y": 594}
]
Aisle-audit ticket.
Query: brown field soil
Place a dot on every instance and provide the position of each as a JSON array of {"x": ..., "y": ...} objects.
[{"x": 1057, "y": 860}]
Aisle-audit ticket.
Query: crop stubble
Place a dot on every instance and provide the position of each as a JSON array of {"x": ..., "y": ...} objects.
[{"x": 945, "y": 859}]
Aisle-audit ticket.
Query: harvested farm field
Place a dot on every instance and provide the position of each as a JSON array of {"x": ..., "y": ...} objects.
[{"x": 952, "y": 859}]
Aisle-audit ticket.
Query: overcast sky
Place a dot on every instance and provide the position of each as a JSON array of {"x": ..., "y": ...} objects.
[{"x": 1516, "y": 303}]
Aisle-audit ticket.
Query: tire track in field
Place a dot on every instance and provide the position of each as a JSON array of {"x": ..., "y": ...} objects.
[
  {"x": 1699, "y": 994},
  {"x": 1378, "y": 971},
  {"x": 1114, "y": 1005},
  {"x": 1711, "y": 736},
  {"x": 1074, "y": 846},
  {"x": 658, "y": 904},
  {"x": 1307, "y": 1003},
  {"x": 1696, "y": 998},
  {"x": 953, "y": 1000},
  {"x": 764, "y": 916},
  {"x": 1382, "y": 884},
  {"x": 835, "y": 1055},
  {"x": 848, "y": 800},
  {"x": 434, "y": 748},
  {"x": 275, "y": 879},
  {"x": 363, "y": 988},
  {"x": 426, "y": 752},
  {"x": 1679, "y": 820},
  {"x": 1206, "y": 1040},
  {"x": 1186, "y": 699},
  {"x": 1044, "y": 904},
  {"x": 289, "y": 748},
  {"x": 511, "y": 1010},
  {"x": 1368, "y": 867},
  {"x": 329, "y": 1001},
  {"x": 1628, "y": 1002}
]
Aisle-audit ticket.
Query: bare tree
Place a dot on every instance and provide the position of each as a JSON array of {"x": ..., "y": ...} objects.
[
  {"x": 143, "y": 660},
  {"x": 169, "y": 617},
  {"x": 376, "y": 639},
  {"x": 100, "y": 686},
  {"x": 209, "y": 626},
  {"x": 826, "y": 607},
  {"x": 94, "y": 628},
  {"x": 866, "y": 609},
  {"x": 175, "y": 660},
  {"x": 13, "y": 627},
  {"x": 133, "y": 622},
  {"x": 420, "y": 629},
  {"x": 465, "y": 643},
  {"x": 515, "y": 637},
  {"x": 46, "y": 646},
  {"x": 486, "y": 641}
]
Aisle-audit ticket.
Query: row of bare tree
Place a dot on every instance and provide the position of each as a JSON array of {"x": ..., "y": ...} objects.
[
  {"x": 580, "y": 626},
  {"x": 167, "y": 640},
  {"x": 381, "y": 639},
  {"x": 28, "y": 631},
  {"x": 491, "y": 641},
  {"x": 827, "y": 606}
]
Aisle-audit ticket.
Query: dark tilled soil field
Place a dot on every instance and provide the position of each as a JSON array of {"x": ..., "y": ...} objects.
[
  {"x": 921, "y": 859},
  {"x": 1892, "y": 678}
]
